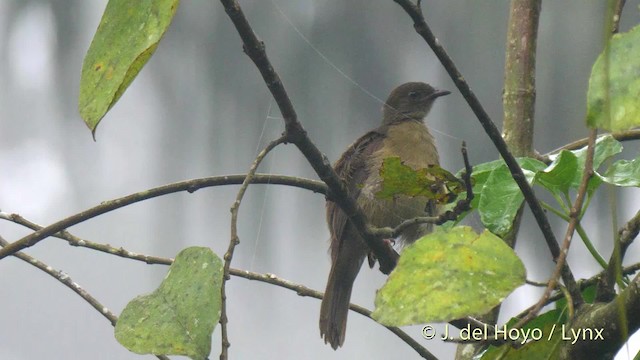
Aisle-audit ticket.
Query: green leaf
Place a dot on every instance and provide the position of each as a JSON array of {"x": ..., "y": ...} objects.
[
  {"x": 558, "y": 177},
  {"x": 481, "y": 172},
  {"x": 624, "y": 173},
  {"x": 606, "y": 147},
  {"x": 497, "y": 196},
  {"x": 499, "y": 201},
  {"x": 127, "y": 36},
  {"x": 543, "y": 336},
  {"x": 448, "y": 275},
  {"x": 619, "y": 87},
  {"x": 398, "y": 178},
  {"x": 567, "y": 168},
  {"x": 178, "y": 318}
]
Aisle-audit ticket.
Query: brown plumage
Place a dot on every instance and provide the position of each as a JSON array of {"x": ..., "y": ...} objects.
[{"x": 404, "y": 134}]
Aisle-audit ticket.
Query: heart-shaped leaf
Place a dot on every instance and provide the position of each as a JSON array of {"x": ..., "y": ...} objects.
[{"x": 178, "y": 317}]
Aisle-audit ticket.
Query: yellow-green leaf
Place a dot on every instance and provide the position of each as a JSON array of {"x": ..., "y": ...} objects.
[
  {"x": 127, "y": 36},
  {"x": 448, "y": 275},
  {"x": 612, "y": 99},
  {"x": 178, "y": 318},
  {"x": 400, "y": 179}
]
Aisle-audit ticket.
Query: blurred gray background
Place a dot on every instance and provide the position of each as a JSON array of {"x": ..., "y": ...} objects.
[{"x": 200, "y": 108}]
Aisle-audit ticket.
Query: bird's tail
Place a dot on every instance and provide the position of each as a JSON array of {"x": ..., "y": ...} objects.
[{"x": 335, "y": 304}]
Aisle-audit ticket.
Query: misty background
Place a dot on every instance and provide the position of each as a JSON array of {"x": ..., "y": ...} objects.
[{"x": 200, "y": 108}]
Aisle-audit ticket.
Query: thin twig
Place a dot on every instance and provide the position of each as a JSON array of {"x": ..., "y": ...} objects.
[
  {"x": 620, "y": 136},
  {"x": 79, "y": 242},
  {"x": 574, "y": 218},
  {"x": 235, "y": 240},
  {"x": 422, "y": 28},
  {"x": 189, "y": 186},
  {"x": 66, "y": 280}
]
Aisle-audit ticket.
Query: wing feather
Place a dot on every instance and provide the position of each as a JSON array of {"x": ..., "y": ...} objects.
[{"x": 353, "y": 170}]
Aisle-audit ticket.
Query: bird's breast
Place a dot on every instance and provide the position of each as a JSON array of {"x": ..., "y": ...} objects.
[{"x": 412, "y": 142}]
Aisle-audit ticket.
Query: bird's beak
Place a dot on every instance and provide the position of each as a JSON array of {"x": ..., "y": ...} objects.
[{"x": 439, "y": 93}]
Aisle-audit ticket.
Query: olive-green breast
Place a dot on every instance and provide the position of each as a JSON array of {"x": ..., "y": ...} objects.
[{"x": 412, "y": 142}]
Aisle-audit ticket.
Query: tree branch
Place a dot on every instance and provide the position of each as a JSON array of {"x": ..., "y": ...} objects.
[
  {"x": 189, "y": 185},
  {"x": 490, "y": 128},
  {"x": 518, "y": 103},
  {"x": 620, "y": 136},
  {"x": 626, "y": 235},
  {"x": 519, "y": 96},
  {"x": 615, "y": 320}
]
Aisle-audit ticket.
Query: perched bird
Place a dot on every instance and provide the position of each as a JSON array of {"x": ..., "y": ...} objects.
[{"x": 402, "y": 134}]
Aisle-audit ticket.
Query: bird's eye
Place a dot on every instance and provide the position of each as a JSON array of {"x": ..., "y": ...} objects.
[{"x": 413, "y": 94}]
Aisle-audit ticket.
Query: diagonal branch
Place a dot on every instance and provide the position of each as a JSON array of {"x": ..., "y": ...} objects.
[
  {"x": 297, "y": 135},
  {"x": 492, "y": 131},
  {"x": 574, "y": 216},
  {"x": 63, "y": 278}
]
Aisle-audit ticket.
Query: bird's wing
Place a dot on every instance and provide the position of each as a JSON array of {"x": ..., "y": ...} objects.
[{"x": 353, "y": 170}]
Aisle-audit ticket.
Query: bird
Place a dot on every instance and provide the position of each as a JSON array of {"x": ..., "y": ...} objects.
[{"x": 402, "y": 134}]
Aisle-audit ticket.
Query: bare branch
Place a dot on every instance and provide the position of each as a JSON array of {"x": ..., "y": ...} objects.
[
  {"x": 189, "y": 185},
  {"x": 66, "y": 280}
]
